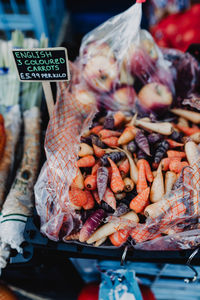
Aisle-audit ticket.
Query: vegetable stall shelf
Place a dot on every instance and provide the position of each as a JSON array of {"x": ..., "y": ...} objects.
[{"x": 37, "y": 243}]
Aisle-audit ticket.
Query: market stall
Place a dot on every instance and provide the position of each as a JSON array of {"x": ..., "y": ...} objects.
[{"x": 120, "y": 176}]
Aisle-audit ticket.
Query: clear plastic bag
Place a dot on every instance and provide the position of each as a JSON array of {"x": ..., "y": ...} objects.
[{"x": 116, "y": 61}]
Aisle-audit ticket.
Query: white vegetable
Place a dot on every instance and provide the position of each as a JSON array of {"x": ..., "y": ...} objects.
[{"x": 112, "y": 227}]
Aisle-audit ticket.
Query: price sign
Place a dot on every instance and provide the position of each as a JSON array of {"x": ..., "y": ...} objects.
[
  {"x": 45, "y": 65},
  {"x": 48, "y": 64}
]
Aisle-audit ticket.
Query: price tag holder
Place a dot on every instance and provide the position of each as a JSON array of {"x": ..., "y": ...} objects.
[{"x": 42, "y": 65}]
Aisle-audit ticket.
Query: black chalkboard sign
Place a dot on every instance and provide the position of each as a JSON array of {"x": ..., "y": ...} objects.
[{"x": 43, "y": 64}]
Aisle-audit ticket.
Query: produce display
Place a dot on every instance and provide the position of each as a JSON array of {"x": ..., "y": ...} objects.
[
  {"x": 18, "y": 173},
  {"x": 122, "y": 145}
]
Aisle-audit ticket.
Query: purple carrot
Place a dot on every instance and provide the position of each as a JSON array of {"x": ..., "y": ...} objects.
[
  {"x": 102, "y": 180},
  {"x": 109, "y": 122},
  {"x": 131, "y": 147},
  {"x": 142, "y": 142},
  {"x": 154, "y": 138},
  {"x": 91, "y": 225},
  {"x": 141, "y": 154},
  {"x": 115, "y": 156},
  {"x": 160, "y": 151}
]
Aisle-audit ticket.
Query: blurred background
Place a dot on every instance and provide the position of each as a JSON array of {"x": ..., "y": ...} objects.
[{"x": 173, "y": 23}]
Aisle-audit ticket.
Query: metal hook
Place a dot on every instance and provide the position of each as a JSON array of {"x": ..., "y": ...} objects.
[
  {"x": 189, "y": 280},
  {"x": 124, "y": 256}
]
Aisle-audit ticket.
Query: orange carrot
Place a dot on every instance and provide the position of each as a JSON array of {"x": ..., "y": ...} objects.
[
  {"x": 176, "y": 166},
  {"x": 127, "y": 135},
  {"x": 111, "y": 141},
  {"x": 124, "y": 167},
  {"x": 174, "y": 144},
  {"x": 119, "y": 117},
  {"x": 166, "y": 161},
  {"x": 90, "y": 201},
  {"x": 95, "y": 168},
  {"x": 140, "y": 201},
  {"x": 86, "y": 161},
  {"x": 98, "y": 151},
  {"x": 85, "y": 149},
  {"x": 91, "y": 182},
  {"x": 116, "y": 183},
  {"x": 109, "y": 198},
  {"x": 106, "y": 133},
  {"x": 173, "y": 154},
  {"x": 78, "y": 180},
  {"x": 188, "y": 130},
  {"x": 142, "y": 182},
  {"x": 96, "y": 129},
  {"x": 148, "y": 172},
  {"x": 120, "y": 237},
  {"x": 96, "y": 197},
  {"x": 77, "y": 197}
]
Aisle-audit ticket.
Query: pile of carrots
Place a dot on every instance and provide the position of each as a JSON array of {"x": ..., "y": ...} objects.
[{"x": 127, "y": 164}]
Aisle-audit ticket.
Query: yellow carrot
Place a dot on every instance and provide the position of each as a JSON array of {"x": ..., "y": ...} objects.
[
  {"x": 85, "y": 149},
  {"x": 192, "y": 116},
  {"x": 192, "y": 152},
  {"x": 157, "y": 188},
  {"x": 133, "y": 168},
  {"x": 164, "y": 128},
  {"x": 170, "y": 179}
]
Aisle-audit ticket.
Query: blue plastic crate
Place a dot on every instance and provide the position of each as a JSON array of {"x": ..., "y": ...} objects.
[{"x": 37, "y": 16}]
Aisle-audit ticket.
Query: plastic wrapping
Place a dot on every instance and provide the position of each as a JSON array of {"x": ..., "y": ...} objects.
[
  {"x": 18, "y": 204},
  {"x": 116, "y": 60}
]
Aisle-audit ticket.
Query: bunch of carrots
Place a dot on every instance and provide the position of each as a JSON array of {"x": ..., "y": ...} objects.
[{"x": 126, "y": 164}]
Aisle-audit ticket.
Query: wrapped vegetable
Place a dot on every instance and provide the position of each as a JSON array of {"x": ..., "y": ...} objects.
[{"x": 19, "y": 202}]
